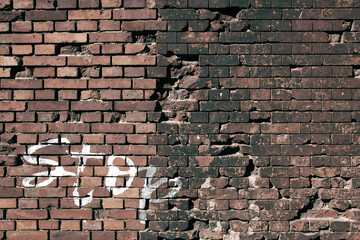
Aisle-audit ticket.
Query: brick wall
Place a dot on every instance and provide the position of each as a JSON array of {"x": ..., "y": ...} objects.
[{"x": 179, "y": 119}]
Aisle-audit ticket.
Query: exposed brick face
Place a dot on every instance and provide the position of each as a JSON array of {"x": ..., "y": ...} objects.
[{"x": 186, "y": 119}]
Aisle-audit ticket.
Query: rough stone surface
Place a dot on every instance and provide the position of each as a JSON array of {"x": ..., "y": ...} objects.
[{"x": 186, "y": 119}]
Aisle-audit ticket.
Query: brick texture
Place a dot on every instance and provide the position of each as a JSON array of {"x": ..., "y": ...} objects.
[{"x": 186, "y": 119}]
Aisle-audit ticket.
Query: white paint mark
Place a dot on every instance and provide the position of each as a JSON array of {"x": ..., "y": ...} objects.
[
  {"x": 110, "y": 179},
  {"x": 207, "y": 183},
  {"x": 232, "y": 236},
  {"x": 150, "y": 187},
  {"x": 218, "y": 227},
  {"x": 211, "y": 204}
]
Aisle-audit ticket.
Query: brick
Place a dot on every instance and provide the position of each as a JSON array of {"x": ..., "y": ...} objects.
[
  {"x": 65, "y": 37},
  {"x": 111, "y": 3},
  {"x": 89, "y": 14},
  {"x": 48, "y": 106},
  {"x": 88, "y": 61},
  {"x": 44, "y": 4},
  {"x": 67, "y": 4},
  {"x": 44, "y": 15},
  {"x": 26, "y": 4},
  {"x": 70, "y": 214},
  {"x": 5, "y": 72},
  {"x": 89, "y": 4},
  {"x": 110, "y": 37},
  {"x": 8, "y": 61},
  {"x": 65, "y": 83},
  {"x": 69, "y": 234},
  {"x": 197, "y": 37},
  {"x": 44, "y": 61},
  {"x": 125, "y": 14},
  {"x": 31, "y": 235},
  {"x": 25, "y": 26},
  {"x": 48, "y": 49},
  {"x": 134, "y": 60},
  {"x": 69, "y": 127},
  {"x": 12, "y": 106},
  {"x": 91, "y": 106},
  {"x": 8, "y": 203},
  {"x": 43, "y": 26},
  {"x": 27, "y": 214}
]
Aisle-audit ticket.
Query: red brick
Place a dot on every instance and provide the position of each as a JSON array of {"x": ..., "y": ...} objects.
[
  {"x": 111, "y": 3},
  {"x": 134, "y": 14},
  {"x": 152, "y": 25},
  {"x": 12, "y": 106},
  {"x": 88, "y": 60},
  {"x": 44, "y": 4},
  {"x": 23, "y": 94},
  {"x": 44, "y": 72},
  {"x": 11, "y": 192},
  {"x": 48, "y": 224},
  {"x": 133, "y": 25},
  {"x": 70, "y": 214},
  {"x": 26, "y": 214},
  {"x": 44, "y": 61},
  {"x": 8, "y": 203},
  {"x": 92, "y": 225},
  {"x": 45, "y": 49},
  {"x": 48, "y": 106},
  {"x": 67, "y": 72},
  {"x": 69, "y": 127},
  {"x": 70, "y": 225},
  {"x": 110, "y": 37},
  {"x": 114, "y": 225},
  {"x": 4, "y": 27},
  {"x": 65, "y": 37},
  {"x": 134, "y": 48},
  {"x": 86, "y": 25},
  {"x": 112, "y": 48},
  {"x": 30, "y": 235},
  {"x": 65, "y": 83},
  {"x": 135, "y": 106},
  {"x": 66, "y": 235},
  {"x": 113, "y": 127},
  {"x": 65, "y": 26},
  {"x": 43, "y": 26},
  {"x": 109, "y": 25},
  {"x": 8, "y": 61},
  {"x": 44, "y": 15},
  {"x": 135, "y": 149},
  {"x": 99, "y": 235},
  {"x": 67, "y": 94},
  {"x": 127, "y": 235},
  {"x": 197, "y": 37},
  {"x": 5, "y": 72},
  {"x": 134, "y": 60},
  {"x": 112, "y": 71},
  {"x": 23, "y": 4},
  {"x": 67, "y": 4},
  {"x": 110, "y": 83},
  {"x": 89, "y": 14},
  {"x": 89, "y": 3},
  {"x": 26, "y": 225},
  {"x": 7, "y": 225},
  {"x": 144, "y": 83},
  {"x": 91, "y": 106},
  {"x": 21, "y": 26}
]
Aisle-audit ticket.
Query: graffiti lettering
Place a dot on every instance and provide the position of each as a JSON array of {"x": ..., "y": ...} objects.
[{"x": 43, "y": 179}]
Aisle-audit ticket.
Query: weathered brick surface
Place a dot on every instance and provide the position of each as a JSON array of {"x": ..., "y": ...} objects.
[{"x": 186, "y": 119}]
